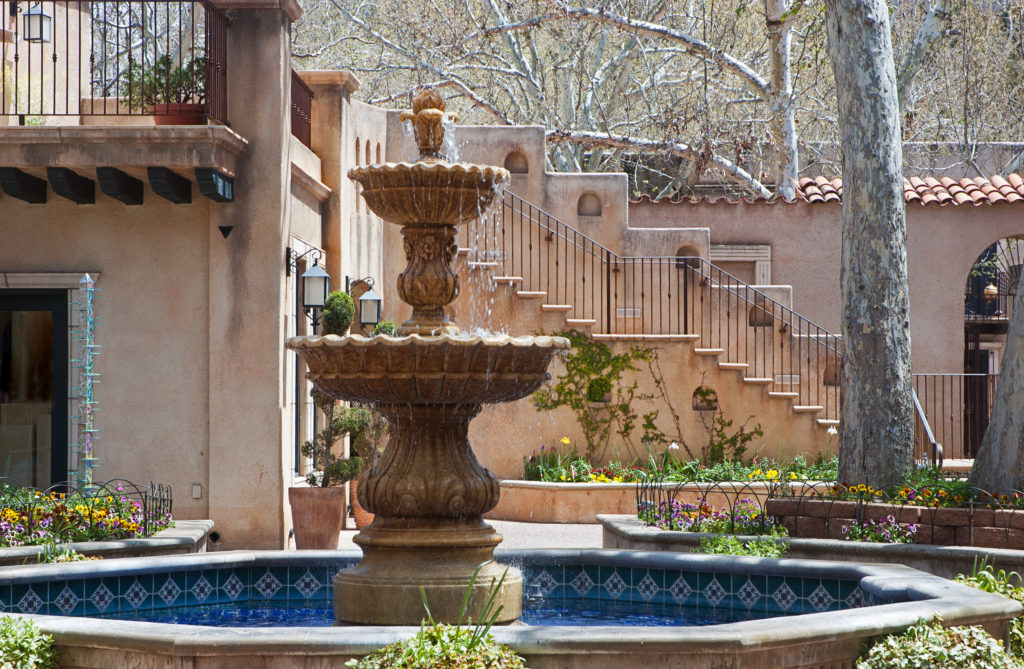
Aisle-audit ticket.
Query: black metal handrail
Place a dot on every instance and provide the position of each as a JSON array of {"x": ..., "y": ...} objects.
[
  {"x": 751, "y": 332},
  {"x": 933, "y": 449},
  {"x": 957, "y": 407},
  {"x": 112, "y": 58}
]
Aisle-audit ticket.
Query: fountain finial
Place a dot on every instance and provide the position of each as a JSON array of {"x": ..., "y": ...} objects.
[{"x": 428, "y": 117}]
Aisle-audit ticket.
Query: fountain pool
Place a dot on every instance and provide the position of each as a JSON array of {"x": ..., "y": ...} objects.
[{"x": 798, "y": 613}]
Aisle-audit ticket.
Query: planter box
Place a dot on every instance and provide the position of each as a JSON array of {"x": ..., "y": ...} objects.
[
  {"x": 628, "y": 533},
  {"x": 187, "y": 536},
  {"x": 539, "y": 502},
  {"x": 942, "y": 526}
]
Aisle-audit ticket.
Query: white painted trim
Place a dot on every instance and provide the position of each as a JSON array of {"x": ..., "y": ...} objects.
[{"x": 759, "y": 254}]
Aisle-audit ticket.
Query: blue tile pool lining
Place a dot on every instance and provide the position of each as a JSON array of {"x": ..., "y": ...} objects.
[{"x": 307, "y": 583}]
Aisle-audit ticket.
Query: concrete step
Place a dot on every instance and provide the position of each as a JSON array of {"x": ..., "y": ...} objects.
[
  {"x": 643, "y": 337},
  {"x": 739, "y": 366},
  {"x": 783, "y": 395},
  {"x": 709, "y": 351},
  {"x": 531, "y": 294},
  {"x": 828, "y": 422},
  {"x": 508, "y": 280},
  {"x": 581, "y": 322},
  {"x": 477, "y": 265},
  {"x": 757, "y": 380},
  {"x": 564, "y": 308},
  {"x": 807, "y": 408}
]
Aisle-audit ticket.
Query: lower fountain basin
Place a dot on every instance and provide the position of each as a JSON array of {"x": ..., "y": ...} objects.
[
  {"x": 416, "y": 369},
  {"x": 851, "y": 604}
]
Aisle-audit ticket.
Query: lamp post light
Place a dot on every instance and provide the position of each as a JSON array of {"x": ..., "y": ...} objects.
[
  {"x": 369, "y": 308},
  {"x": 316, "y": 282},
  {"x": 315, "y": 286},
  {"x": 369, "y": 300},
  {"x": 37, "y": 24}
]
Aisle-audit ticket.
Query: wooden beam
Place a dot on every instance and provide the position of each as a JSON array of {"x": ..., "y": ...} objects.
[
  {"x": 70, "y": 184},
  {"x": 22, "y": 185},
  {"x": 170, "y": 185},
  {"x": 119, "y": 185},
  {"x": 215, "y": 185}
]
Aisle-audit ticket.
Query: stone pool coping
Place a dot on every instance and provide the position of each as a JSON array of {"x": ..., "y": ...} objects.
[
  {"x": 627, "y": 532},
  {"x": 89, "y": 643},
  {"x": 187, "y": 536}
]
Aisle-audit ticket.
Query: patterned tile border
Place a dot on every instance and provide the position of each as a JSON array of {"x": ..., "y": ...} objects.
[{"x": 300, "y": 584}]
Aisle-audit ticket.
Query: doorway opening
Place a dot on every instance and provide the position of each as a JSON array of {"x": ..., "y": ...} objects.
[{"x": 34, "y": 386}]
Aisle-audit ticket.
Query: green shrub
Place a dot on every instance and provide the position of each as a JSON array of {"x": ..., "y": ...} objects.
[
  {"x": 339, "y": 309},
  {"x": 23, "y": 646},
  {"x": 928, "y": 644},
  {"x": 1007, "y": 584},
  {"x": 730, "y": 545},
  {"x": 598, "y": 388},
  {"x": 385, "y": 328}
]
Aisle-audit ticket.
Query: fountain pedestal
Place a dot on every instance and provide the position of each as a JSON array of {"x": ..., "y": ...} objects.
[
  {"x": 427, "y": 491},
  {"x": 428, "y": 494}
]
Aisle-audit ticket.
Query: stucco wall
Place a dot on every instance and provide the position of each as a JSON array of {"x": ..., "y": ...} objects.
[
  {"x": 806, "y": 244},
  {"x": 153, "y": 326}
]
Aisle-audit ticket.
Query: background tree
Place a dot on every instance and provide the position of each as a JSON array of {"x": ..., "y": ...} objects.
[
  {"x": 673, "y": 92},
  {"x": 876, "y": 406}
]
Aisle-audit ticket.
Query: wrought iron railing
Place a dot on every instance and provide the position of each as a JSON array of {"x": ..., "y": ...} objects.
[
  {"x": 302, "y": 109},
  {"x": 77, "y": 58},
  {"x": 958, "y": 408},
  {"x": 926, "y": 448},
  {"x": 766, "y": 342}
]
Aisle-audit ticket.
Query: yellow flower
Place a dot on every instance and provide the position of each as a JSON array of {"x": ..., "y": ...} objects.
[
  {"x": 565, "y": 441},
  {"x": 563, "y": 477},
  {"x": 792, "y": 476},
  {"x": 773, "y": 473}
]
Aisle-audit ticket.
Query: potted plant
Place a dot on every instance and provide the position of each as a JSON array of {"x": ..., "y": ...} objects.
[
  {"x": 174, "y": 92},
  {"x": 368, "y": 445},
  {"x": 319, "y": 509},
  {"x": 337, "y": 314}
]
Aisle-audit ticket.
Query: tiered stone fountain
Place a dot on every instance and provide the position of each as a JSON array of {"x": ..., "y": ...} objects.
[{"x": 427, "y": 490}]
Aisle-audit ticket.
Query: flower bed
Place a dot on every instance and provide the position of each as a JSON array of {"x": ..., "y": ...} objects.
[
  {"x": 824, "y": 518},
  {"x": 540, "y": 502}
]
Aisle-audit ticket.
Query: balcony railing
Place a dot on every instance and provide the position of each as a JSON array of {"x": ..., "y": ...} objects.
[
  {"x": 302, "y": 109},
  {"x": 78, "y": 58}
]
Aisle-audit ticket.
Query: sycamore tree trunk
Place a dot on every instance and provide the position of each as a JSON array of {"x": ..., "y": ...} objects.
[
  {"x": 999, "y": 465},
  {"x": 876, "y": 406}
]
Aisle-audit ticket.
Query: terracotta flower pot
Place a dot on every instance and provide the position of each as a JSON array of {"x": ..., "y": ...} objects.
[
  {"x": 317, "y": 516},
  {"x": 359, "y": 514},
  {"x": 185, "y": 113}
]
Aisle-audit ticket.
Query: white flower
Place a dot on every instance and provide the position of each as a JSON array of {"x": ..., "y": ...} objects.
[
  {"x": 832, "y": 429},
  {"x": 673, "y": 446}
]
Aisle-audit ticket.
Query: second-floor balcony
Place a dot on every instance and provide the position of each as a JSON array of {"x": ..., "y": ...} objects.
[{"x": 112, "y": 62}]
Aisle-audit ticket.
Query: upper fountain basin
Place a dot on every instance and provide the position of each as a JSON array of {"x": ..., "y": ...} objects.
[
  {"x": 445, "y": 369},
  {"x": 429, "y": 192}
]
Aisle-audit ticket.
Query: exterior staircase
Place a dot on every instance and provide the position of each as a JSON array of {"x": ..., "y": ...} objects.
[{"x": 543, "y": 275}]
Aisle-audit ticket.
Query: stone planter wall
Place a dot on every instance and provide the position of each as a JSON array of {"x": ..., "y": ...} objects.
[
  {"x": 812, "y": 518},
  {"x": 538, "y": 502},
  {"x": 187, "y": 536},
  {"x": 628, "y": 533}
]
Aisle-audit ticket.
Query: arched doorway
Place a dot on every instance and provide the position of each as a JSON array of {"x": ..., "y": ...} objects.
[{"x": 988, "y": 305}]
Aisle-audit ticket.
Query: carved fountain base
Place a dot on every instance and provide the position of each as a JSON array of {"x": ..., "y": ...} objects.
[
  {"x": 401, "y": 556},
  {"x": 429, "y": 494}
]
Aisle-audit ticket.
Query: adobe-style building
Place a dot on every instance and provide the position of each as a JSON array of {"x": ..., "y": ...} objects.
[{"x": 196, "y": 236}]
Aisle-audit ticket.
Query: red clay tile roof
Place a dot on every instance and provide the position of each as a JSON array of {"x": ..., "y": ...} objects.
[{"x": 929, "y": 190}]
